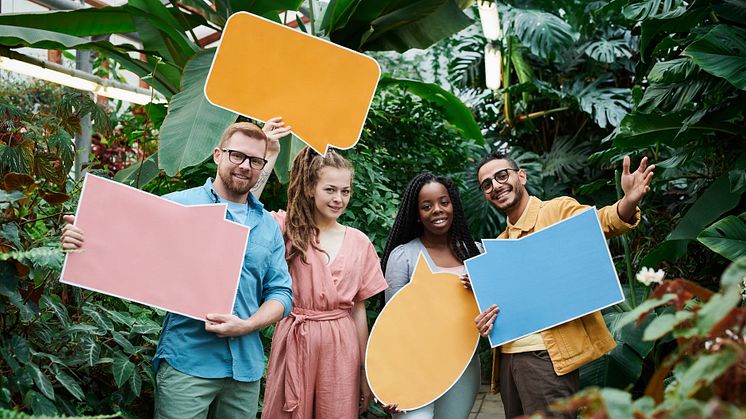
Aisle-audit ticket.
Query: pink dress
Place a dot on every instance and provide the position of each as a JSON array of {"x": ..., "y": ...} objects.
[{"x": 314, "y": 364}]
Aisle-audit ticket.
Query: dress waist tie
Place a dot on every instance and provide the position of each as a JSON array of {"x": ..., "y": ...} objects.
[{"x": 297, "y": 349}]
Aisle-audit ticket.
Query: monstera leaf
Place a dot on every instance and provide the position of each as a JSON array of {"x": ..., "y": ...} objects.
[
  {"x": 639, "y": 10},
  {"x": 545, "y": 34}
]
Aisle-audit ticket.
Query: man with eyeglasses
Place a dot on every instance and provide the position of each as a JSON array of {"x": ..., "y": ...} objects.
[
  {"x": 214, "y": 367},
  {"x": 532, "y": 372}
]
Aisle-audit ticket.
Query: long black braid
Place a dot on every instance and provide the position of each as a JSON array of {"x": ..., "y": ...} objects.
[{"x": 406, "y": 227}]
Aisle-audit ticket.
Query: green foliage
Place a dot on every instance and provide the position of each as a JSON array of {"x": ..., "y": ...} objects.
[
  {"x": 403, "y": 136},
  {"x": 10, "y": 414},
  {"x": 134, "y": 138},
  {"x": 391, "y": 25},
  {"x": 456, "y": 113},
  {"x": 704, "y": 373},
  {"x": 16, "y": 36},
  {"x": 608, "y": 50},
  {"x": 726, "y": 237},
  {"x": 546, "y": 35},
  {"x": 638, "y": 10},
  {"x": 722, "y": 53},
  {"x": 65, "y": 351},
  {"x": 192, "y": 128},
  {"x": 40, "y": 143},
  {"x": 715, "y": 201},
  {"x": 62, "y": 351},
  {"x": 624, "y": 364},
  {"x": 290, "y": 146},
  {"x": 687, "y": 109},
  {"x": 139, "y": 173},
  {"x": 607, "y": 105}
]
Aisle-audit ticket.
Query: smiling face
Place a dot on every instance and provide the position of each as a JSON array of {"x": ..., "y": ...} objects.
[
  {"x": 511, "y": 196},
  {"x": 435, "y": 209},
  {"x": 236, "y": 180},
  {"x": 331, "y": 193}
]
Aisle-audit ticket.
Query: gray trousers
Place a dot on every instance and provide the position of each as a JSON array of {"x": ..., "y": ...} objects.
[{"x": 528, "y": 383}]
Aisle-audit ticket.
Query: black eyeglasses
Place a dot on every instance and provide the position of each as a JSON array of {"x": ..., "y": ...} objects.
[
  {"x": 501, "y": 176},
  {"x": 237, "y": 158}
]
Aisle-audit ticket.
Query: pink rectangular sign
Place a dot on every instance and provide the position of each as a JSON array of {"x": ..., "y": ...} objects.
[{"x": 143, "y": 248}]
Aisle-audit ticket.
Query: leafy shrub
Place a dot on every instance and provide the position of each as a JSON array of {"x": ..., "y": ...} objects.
[
  {"x": 705, "y": 374},
  {"x": 62, "y": 349}
]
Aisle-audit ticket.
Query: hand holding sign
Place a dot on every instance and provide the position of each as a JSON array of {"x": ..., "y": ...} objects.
[
  {"x": 547, "y": 278},
  {"x": 142, "y": 248}
]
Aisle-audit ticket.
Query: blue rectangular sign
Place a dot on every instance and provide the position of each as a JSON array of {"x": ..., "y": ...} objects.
[{"x": 550, "y": 277}]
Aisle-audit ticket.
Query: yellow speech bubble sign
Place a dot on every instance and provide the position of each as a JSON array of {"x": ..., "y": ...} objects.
[
  {"x": 423, "y": 340},
  {"x": 322, "y": 90}
]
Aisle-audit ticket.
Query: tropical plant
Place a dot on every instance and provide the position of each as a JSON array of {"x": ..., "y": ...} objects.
[
  {"x": 705, "y": 375},
  {"x": 62, "y": 350},
  {"x": 177, "y": 66},
  {"x": 133, "y": 139},
  {"x": 690, "y": 115},
  {"x": 37, "y": 124}
]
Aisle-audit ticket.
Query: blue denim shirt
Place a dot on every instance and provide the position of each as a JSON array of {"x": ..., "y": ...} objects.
[{"x": 185, "y": 344}]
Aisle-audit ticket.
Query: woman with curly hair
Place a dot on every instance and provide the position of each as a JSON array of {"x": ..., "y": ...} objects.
[
  {"x": 315, "y": 365},
  {"x": 431, "y": 221}
]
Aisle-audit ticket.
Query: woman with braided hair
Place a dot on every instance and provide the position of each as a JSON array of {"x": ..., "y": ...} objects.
[
  {"x": 431, "y": 221},
  {"x": 315, "y": 365}
]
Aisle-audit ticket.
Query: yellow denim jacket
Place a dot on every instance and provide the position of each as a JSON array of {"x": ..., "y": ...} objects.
[{"x": 580, "y": 341}]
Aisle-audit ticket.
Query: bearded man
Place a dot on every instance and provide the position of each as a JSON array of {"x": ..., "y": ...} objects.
[
  {"x": 214, "y": 367},
  {"x": 534, "y": 371}
]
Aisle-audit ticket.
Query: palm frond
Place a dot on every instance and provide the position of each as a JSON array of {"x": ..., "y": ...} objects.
[
  {"x": 566, "y": 158},
  {"x": 640, "y": 10},
  {"x": 466, "y": 68},
  {"x": 543, "y": 33},
  {"x": 607, "y": 105},
  {"x": 608, "y": 50}
]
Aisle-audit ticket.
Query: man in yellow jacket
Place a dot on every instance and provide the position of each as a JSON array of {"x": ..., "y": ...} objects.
[{"x": 536, "y": 370}]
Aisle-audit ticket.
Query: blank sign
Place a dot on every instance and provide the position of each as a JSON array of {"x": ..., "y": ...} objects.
[
  {"x": 143, "y": 248},
  {"x": 547, "y": 278},
  {"x": 263, "y": 69}
]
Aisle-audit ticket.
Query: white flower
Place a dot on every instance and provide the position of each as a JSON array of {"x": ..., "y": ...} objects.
[
  {"x": 743, "y": 294},
  {"x": 648, "y": 276}
]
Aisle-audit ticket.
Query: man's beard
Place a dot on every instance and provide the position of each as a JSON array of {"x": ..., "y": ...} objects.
[
  {"x": 235, "y": 187},
  {"x": 517, "y": 196}
]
